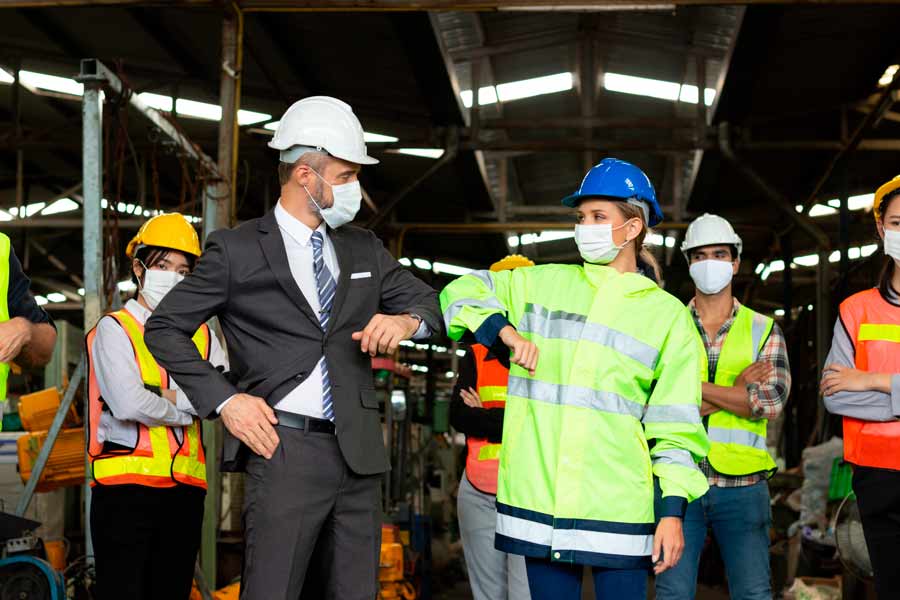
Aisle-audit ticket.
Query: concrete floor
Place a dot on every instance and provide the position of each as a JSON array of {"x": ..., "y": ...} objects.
[{"x": 461, "y": 592}]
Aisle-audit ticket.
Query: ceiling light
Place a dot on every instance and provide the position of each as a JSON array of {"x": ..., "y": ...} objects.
[
  {"x": 655, "y": 88},
  {"x": 422, "y": 263},
  {"x": 56, "y": 297},
  {"x": 61, "y": 206},
  {"x": 448, "y": 269},
  {"x": 5, "y": 216},
  {"x": 51, "y": 83},
  {"x": 888, "y": 75},
  {"x": 779, "y": 312},
  {"x": 405, "y": 262},
  {"x": 517, "y": 90},
  {"x": 421, "y": 152},
  {"x": 41, "y": 301},
  {"x": 821, "y": 210}
]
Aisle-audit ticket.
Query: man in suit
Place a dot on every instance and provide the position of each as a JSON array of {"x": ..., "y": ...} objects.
[{"x": 304, "y": 301}]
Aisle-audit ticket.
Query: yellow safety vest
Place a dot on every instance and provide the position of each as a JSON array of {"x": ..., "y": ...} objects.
[
  {"x": 159, "y": 459},
  {"x": 738, "y": 445},
  {"x": 4, "y": 310}
]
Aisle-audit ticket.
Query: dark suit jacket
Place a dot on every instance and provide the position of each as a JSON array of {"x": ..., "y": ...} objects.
[{"x": 273, "y": 336}]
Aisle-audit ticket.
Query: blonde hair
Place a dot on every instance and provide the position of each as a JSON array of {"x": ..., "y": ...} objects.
[{"x": 645, "y": 259}]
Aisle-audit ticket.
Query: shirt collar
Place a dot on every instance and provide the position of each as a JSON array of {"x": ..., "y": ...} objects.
[
  {"x": 138, "y": 311},
  {"x": 299, "y": 231}
]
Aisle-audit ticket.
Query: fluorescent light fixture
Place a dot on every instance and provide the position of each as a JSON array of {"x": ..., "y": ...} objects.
[
  {"x": 861, "y": 202},
  {"x": 513, "y": 240},
  {"x": 213, "y": 112},
  {"x": 422, "y": 263},
  {"x": 835, "y": 256},
  {"x": 421, "y": 152},
  {"x": 776, "y": 265},
  {"x": 56, "y": 297},
  {"x": 272, "y": 126},
  {"x": 62, "y": 205},
  {"x": 81, "y": 291},
  {"x": 853, "y": 253},
  {"x": 670, "y": 242},
  {"x": 656, "y": 88},
  {"x": 799, "y": 208},
  {"x": 28, "y": 210},
  {"x": 6, "y": 77},
  {"x": 5, "y": 216},
  {"x": 449, "y": 374},
  {"x": 545, "y": 236},
  {"x": 448, "y": 269},
  {"x": 407, "y": 344},
  {"x": 51, "y": 83},
  {"x": 779, "y": 312},
  {"x": 821, "y": 210},
  {"x": 157, "y": 101},
  {"x": 405, "y": 262},
  {"x": 869, "y": 250},
  {"x": 808, "y": 260},
  {"x": 809, "y": 307},
  {"x": 126, "y": 286},
  {"x": 41, "y": 301},
  {"x": 888, "y": 76},
  {"x": 759, "y": 268},
  {"x": 460, "y": 353},
  {"x": 655, "y": 239},
  {"x": 517, "y": 90}
]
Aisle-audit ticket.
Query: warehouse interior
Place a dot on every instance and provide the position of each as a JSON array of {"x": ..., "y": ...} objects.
[{"x": 114, "y": 111}]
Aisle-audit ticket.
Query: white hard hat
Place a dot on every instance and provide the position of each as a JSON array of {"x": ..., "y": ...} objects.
[
  {"x": 324, "y": 124},
  {"x": 710, "y": 230}
]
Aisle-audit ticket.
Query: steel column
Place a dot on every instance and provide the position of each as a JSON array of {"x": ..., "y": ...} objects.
[{"x": 92, "y": 194}]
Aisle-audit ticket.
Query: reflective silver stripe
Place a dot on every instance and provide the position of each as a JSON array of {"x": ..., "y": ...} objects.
[
  {"x": 485, "y": 277},
  {"x": 574, "y": 327},
  {"x": 574, "y": 539},
  {"x": 600, "y": 542},
  {"x": 758, "y": 329},
  {"x": 737, "y": 436},
  {"x": 525, "y": 530},
  {"x": 672, "y": 413},
  {"x": 682, "y": 458},
  {"x": 455, "y": 308},
  {"x": 570, "y": 395}
]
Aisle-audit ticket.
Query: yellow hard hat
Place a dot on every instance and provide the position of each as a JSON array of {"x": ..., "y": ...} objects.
[
  {"x": 513, "y": 261},
  {"x": 883, "y": 191},
  {"x": 169, "y": 230}
]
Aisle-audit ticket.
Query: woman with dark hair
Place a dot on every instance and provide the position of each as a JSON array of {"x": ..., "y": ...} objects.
[
  {"x": 148, "y": 469},
  {"x": 861, "y": 382}
]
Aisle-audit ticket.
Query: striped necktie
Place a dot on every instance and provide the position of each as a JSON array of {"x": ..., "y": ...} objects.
[{"x": 326, "y": 287}]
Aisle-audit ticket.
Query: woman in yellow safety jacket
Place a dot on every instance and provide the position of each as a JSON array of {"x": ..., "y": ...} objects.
[
  {"x": 861, "y": 382},
  {"x": 603, "y": 396},
  {"x": 145, "y": 447}
]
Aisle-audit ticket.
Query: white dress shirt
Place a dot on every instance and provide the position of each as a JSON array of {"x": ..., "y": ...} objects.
[
  {"x": 122, "y": 388},
  {"x": 306, "y": 398}
]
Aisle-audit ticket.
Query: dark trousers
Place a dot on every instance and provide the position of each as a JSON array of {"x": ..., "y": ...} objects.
[
  {"x": 878, "y": 497},
  {"x": 145, "y": 540},
  {"x": 559, "y": 581},
  {"x": 309, "y": 519}
]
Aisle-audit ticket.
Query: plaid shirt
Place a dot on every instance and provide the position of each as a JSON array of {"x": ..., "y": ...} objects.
[{"x": 766, "y": 399}]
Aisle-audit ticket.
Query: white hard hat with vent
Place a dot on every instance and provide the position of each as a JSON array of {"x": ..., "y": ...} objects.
[
  {"x": 710, "y": 230},
  {"x": 323, "y": 124}
]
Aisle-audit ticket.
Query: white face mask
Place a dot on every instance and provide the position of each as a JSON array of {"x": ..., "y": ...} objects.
[
  {"x": 892, "y": 244},
  {"x": 595, "y": 243},
  {"x": 347, "y": 198},
  {"x": 157, "y": 284},
  {"x": 711, "y": 276}
]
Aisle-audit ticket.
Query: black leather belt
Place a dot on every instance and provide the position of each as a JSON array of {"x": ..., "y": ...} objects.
[{"x": 310, "y": 424}]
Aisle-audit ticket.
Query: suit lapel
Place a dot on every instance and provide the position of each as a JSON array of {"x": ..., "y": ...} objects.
[
  {"x": 273, "y": 249},
  {"x": 345, "y": 261}
]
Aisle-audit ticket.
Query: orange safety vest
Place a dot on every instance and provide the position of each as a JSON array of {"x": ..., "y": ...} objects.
[
  {"x": 873, "y": 325},
  {"x": 160, "y": 459},
  {"x": 483, "y": 457}
]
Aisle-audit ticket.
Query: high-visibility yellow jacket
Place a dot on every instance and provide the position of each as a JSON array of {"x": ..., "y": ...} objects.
[{"x": 619, "y": 371}]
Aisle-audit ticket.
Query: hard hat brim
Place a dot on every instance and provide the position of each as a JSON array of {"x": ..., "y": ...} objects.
[{"x": 574, "y": 200}]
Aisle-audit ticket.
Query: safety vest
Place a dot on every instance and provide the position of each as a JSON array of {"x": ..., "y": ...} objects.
[
  {"x": 160, "y": 458},
  {"x": 4, "y": 311},
  {"x": 483, "y": 457},
  {"x": 738, "y": 445},
  {"x": 873, "y": 325},
  {"x": 619, "y": 366}
]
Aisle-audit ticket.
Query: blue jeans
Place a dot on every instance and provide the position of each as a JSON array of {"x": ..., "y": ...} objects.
[
  {"x": 561, "y": 581},
  {"x": 740, "y": 519}
]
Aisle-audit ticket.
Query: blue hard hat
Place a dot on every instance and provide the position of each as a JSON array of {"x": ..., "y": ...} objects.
[{"x": 614, "y": 178}]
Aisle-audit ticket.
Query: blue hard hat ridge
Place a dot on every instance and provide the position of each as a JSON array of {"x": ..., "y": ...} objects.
[{"x": 614, "y": 178}]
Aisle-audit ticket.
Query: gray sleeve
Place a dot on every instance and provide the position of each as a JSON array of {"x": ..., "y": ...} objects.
[{"x": 869, "y": 405}]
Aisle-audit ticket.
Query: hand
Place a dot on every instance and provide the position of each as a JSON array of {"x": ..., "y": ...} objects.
[
  {"x": 708, "y": 408},
  {"x": 838, "y": 378},
  {"x": 170, "y": 395},
  {"x": 524, "y": 353},
  {"x": 756, "y": 372},
  {"x": 14, "y": 335},
  {"x": 250, "y": 420},
  {"x": 471, "y": 398},
  {"x": 385, "y": 332},
  {"x": 669, "y": 539}
]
